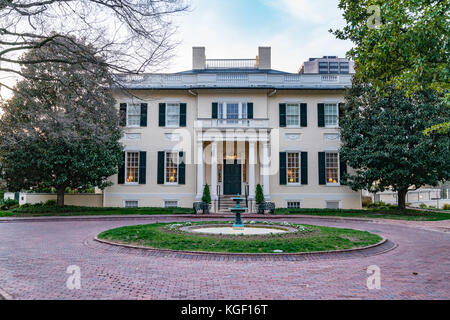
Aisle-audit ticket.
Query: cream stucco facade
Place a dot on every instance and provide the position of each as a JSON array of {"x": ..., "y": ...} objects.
[{"x": 230, "y": 135}]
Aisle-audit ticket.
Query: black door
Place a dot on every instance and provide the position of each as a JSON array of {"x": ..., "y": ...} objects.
[{"x": 231, "y": 178}]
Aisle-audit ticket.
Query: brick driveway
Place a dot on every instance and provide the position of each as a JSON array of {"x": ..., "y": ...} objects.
[{"x": 34, "y": 257}]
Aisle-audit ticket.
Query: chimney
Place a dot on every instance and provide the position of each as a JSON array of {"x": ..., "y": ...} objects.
[
  {"x": 198, "y": 58},
  {"x": 264, "y": 58}
]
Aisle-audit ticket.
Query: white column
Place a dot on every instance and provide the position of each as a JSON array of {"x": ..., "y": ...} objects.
[
  {"x": 200, "y": 170},
  {"x": 251, "y": 169},
  {"x": 214, "y": 170},
  {"x": 265, "y": 169}
]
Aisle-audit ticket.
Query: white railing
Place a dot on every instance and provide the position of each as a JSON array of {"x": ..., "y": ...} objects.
[
  {"x": 231, "y": 63},
  {"x": 234, "y": 79},
  {"x": 329, "y": 78},
  {"x": 232, "y": 123}
]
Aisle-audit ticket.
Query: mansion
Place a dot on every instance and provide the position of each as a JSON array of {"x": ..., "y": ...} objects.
[{"x": 233, "y": 124}]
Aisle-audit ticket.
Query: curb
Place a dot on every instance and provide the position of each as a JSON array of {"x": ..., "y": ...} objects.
[{"x": 191, "y": 216}]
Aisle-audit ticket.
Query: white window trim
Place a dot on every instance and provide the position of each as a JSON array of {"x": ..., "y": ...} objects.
[
  {"x": 126, "y": 166},
  {"x": 287, "y": 204},
  {"x": 165, "y": 168},
  {"x": 132, "y": 126},
  {"x": 124, "y": 201},
  {"x": 299, "y": 183},
  {"x": 337, "y": 114},
  {"x": 331, "y": 184},
  {"x": 338, "y": 201},
  {"x": 173, "y": 200},
  {"x": 224, "y": 103},
  {"x": 179, "y": 114},
  {"x": 299, "y": 114}
]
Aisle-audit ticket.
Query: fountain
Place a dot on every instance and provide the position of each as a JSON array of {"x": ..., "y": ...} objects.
[{"x": 238, "y": 225}]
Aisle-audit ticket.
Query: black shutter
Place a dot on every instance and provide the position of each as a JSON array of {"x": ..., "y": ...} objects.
[
  {"x": 304, "y": 167},
  {"x": 342, "y": 167},
  {"x": 121, "y": 172},
  {"x": 303, "y": 115},
  {"x": 214, "y": 111},
  {"x": 162, "y": 114},
  {"x": 143, "y": 114},
  {"x": 322, "y": 179},
  {"x": 283, "y": 178},
  {"x": 161, "y": 167},
  {"x": 142, "y": 167},
  {"x": 250, "y": 110},
  {"x": 282, "y": 114},
  {"x": 182, "y": 114},
  {"x": 321, "y": 115},
  {"x": 181, "y": 168},
  {"x": 123, "y": 115},
  {"x": 341, "y": 111}
]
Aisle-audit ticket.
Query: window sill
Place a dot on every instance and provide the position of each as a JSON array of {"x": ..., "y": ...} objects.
[
  {"x": 333, "y": 185},
  {"x": 131, "y": 184}
]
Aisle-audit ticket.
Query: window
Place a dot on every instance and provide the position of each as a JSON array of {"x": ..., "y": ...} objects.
[
  {"x": 171, "y": 168},
  {"x": 293, "y": 168},
  {"x": 331, "y": 115},
  {"x": 332, "y": 167},
  {"x": 323, "y": 67},
  {"x": 332, "y": 204},
  {"x": 344, "y": 67},
  {"x": 232, "y": 111},
  {"x": 132, "y": 167},
  {"x": 171, "y": 204},
  {"x": 294, "y": 204},
  {"x": 173, "y": 115},
  {"x": 133, "y": 115},
  {"x": 293, "y": 115},
  {"x": 334, "y": 67},
  {"x": 131, "y": 204}
]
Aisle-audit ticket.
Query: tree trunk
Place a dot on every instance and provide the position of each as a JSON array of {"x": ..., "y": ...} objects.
[
  {"x": 60, "y": 196},
  {"x": 401, "y": 194}
]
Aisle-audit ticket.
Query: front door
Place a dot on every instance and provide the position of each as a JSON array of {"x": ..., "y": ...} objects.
[{"x": 231, "y": 178}]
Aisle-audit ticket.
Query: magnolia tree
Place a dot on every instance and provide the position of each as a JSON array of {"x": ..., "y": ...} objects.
[
  {"x": 400, "y": 43},
  {"x": 60, "y": 129},
  {"x": 382, "y": 140}
]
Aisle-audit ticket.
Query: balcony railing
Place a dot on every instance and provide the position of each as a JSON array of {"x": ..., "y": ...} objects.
[
  {"x": 231, "y": 64},
  {"x": 232, "y": 123}
]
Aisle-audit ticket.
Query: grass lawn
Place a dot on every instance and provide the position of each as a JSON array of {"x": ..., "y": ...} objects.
[
  {"x": 408, "y": 214},
  {"x": 307, "y": 239}
]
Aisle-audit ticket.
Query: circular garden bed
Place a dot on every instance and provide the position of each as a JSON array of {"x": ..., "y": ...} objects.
[{"x": 302, "y": 238}]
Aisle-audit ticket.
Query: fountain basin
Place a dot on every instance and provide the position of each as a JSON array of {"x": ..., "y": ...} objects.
[{"x": 247, "y": 230}]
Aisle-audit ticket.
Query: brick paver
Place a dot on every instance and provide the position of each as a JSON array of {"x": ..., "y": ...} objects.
[{"x": 34, "y": 257}]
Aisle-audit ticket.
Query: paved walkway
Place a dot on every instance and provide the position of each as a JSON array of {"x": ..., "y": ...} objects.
[{"x": 34, "y": 257}]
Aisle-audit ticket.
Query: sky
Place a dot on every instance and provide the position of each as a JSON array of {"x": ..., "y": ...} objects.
[{"x": 295, "y": 29}]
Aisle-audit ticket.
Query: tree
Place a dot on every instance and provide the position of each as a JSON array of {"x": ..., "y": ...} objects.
[
  {"x": 259, "y": 195},
  {"x": 382, "y": 140},
  {"x": 206, "y": 194},
  {"x": 60, "y": 129},
  {"x": 400, "y": 43},
  {"x": 130, "y": 36}
]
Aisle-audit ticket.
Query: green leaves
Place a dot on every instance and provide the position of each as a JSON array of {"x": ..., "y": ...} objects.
[{"x": 382, "y": 139}]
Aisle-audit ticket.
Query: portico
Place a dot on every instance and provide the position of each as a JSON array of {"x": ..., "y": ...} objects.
[{"x": 232, "y": 161}]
